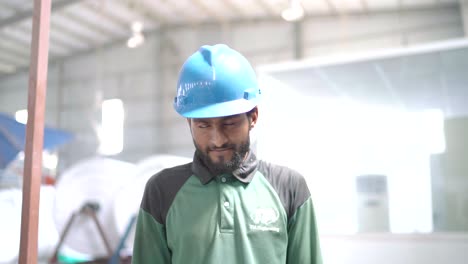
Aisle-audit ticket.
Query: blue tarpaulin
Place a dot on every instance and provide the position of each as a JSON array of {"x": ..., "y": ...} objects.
[{"x": 13, "y": 138}]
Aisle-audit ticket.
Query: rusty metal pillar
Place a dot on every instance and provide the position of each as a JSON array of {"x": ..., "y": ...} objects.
[{"x": 34, "y": 131}]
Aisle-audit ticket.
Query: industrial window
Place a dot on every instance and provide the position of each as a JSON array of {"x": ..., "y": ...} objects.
[{"x": 111, "y": 132}]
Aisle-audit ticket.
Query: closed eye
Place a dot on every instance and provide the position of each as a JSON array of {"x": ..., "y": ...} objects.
[{"x": 203, "y": 125}]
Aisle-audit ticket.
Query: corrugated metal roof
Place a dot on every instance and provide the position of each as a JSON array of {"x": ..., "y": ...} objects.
[{"x": 80, "y": 25}]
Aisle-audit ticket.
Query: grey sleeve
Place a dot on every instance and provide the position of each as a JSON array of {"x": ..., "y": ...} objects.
[{"x": 290, "y": 185}]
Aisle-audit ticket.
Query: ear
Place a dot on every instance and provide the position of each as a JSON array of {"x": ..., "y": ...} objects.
[{"x": 253, "y": 117}]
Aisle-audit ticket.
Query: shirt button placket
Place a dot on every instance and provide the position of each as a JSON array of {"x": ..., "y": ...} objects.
[{"x": 227, "y": 223}]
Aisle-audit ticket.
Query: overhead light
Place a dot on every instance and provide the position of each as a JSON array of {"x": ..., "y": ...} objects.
[
  {"x": 135, "y": 40},
  {"x": 294, "y": 12},
  {"x": 137, "y": 27},
  {"x": 137, "y": 37}
]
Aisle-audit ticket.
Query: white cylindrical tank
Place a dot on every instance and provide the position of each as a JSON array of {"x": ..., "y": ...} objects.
[
  {"x": 96, "y": 180},
  {"x": 127, "y": 201}
]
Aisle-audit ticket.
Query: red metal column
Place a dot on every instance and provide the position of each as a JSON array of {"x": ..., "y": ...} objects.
[{"x": 34, "y": 131}]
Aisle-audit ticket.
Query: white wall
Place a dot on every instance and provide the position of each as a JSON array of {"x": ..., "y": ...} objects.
[
  {"x": 378, "y": 31},
  {"x": 395, "y": 249},
  {"x": 145, "y": 78}
]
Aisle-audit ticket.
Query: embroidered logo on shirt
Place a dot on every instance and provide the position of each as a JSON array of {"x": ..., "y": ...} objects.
[{"x": 264, "y": 218}]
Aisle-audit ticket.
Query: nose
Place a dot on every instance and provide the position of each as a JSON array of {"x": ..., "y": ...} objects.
[{"x": 218, "y": 137}]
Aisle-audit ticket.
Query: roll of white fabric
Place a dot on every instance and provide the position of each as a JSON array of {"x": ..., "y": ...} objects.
[
  {"x": 95, "y": 180},
  {"x": 48, "y": 235},
  {"x": 10, "y": 227},
  {"x": 127, "y": 202}
]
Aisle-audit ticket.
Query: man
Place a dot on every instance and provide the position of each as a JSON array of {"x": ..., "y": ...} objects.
[{"x": 226, "y": 206}]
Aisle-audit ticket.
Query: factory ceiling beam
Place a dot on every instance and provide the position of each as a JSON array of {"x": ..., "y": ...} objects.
[
  {"x": 26, "y": 14},
  {"x": 400, "y": 5},
  {"x": 365, "y": 6},
  {"x": 6, "y": 68},
  {"x": 99, "y": 30},
  {"x": 331, "y": 7},
  {"x": 101, "y": 11},
  {"x": 234, "y": 7},
  {"x": 8, "y": 6},
  {"x": 189, "y": 17},
  {"x": 268, "y": 9},
  {"x": 14, "y": 48},
  {"x": 60, "y": 29},
  {"x": 12, "y": 59},
  {"x": 212, "y": 13},
  {"x": 146, "y": 11},
  {"x": 24, "y": 29}
]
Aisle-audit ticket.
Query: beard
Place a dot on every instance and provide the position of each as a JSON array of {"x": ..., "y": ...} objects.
[{"x": 223, "y": 166}]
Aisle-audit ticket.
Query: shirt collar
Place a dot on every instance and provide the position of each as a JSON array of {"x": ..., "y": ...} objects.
[{"x": 244, "y": 173}]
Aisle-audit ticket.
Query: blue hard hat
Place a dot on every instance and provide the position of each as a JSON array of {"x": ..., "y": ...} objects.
[{"x": 216, "y": 81}]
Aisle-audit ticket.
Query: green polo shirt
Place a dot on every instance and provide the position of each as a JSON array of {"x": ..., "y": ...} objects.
[{"x": 260, "y": 214}]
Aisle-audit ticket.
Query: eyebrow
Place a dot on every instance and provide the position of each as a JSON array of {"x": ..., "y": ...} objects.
[{"x": 206, "y": 120}]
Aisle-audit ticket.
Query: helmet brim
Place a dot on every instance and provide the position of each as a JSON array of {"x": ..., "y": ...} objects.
[{"x": 220, "y": 109}]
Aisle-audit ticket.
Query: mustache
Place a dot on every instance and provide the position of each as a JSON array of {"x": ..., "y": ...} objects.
[{"x": 224, "y": 146}]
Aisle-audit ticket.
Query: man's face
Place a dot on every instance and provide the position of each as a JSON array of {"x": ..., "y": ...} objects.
[{"x": 223, "y": 142}]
